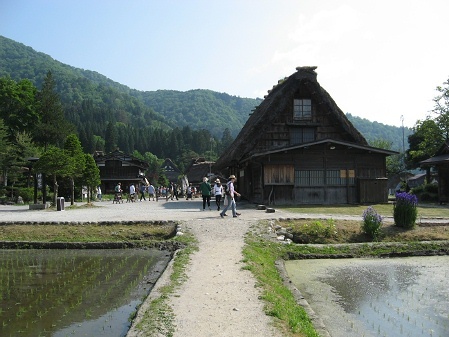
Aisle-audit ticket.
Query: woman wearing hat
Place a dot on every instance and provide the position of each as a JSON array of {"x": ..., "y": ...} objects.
[
  {"x": 218, "y": 192},
  {"x": 205, "y": 189},
  {"x": 231, "y": 192}
]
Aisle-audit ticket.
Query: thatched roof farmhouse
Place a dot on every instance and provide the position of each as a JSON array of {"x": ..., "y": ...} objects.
[{"x": 298, "y": 147}]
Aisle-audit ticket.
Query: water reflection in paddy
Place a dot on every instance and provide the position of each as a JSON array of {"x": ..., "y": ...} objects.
[
  {"x": 74, "y": 292},
  {"x": 377, "y": 297}
]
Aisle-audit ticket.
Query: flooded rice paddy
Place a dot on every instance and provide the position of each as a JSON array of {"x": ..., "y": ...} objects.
[
  {"x": 74, "y": 292},
  {"x": 403, "y": 297}
]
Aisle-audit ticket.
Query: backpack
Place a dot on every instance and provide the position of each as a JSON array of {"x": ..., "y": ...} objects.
[{"x": 226, "y": 189}]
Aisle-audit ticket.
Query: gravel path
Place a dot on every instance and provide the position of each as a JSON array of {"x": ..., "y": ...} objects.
[{"x": 219, "y": 299}]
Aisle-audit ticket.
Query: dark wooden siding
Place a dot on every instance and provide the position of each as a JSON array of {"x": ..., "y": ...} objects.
[
  {"x": 373, "y": 190},
  {"x": 340, "y": 170}
]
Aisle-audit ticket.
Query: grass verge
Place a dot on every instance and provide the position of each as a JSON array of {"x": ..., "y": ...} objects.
[
  {"x": 260, "y": 256},
  {"x": 158, "y": 319}
]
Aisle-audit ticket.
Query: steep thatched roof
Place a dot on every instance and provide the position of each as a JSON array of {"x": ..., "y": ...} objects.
[
  {"x": 198, "y": 169},
  {"x": 171, "y": 171},
  {"x": 279, "y": 99},
  {"x": 126, "y": 159}
]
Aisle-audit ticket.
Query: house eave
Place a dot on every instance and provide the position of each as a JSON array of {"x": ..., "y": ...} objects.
[{"x": 330, "y": 142}]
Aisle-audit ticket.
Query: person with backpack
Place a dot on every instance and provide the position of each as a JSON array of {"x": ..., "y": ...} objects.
[{"x": 230, "y": 194}]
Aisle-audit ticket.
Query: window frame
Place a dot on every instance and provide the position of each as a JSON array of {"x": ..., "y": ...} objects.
[
  {"x": 302, "y": 135},
  {"x": 301, "y": 110}
]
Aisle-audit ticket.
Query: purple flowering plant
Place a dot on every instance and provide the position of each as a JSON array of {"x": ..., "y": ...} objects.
[
  {"x": 405, "y": 210},
  {"x": 372, "y": 223}
]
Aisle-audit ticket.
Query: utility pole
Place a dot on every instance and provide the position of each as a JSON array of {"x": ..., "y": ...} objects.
[
  {"x": 210, "y": 156},
  {"x": 403, "y": 143}
]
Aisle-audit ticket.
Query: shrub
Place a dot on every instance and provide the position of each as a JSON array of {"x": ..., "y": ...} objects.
[
  {"x": 426, "y": 193},
  {"x": 372, "y": 223},
  {"x": 404, "y": 210},
  {"x": 26, "y": 193},
  {"x": 315, "y": 232},
  {"x": 431, "y": 188}
]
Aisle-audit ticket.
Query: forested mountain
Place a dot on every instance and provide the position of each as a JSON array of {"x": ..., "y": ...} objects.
[
  {"x": 200, "y": 108},
  {"x": 164, "y": 122},
  {"x": 373, "y": 131},
  {"x": 91, "y": 97}
]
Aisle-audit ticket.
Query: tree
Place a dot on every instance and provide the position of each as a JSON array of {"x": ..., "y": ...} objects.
[
  {"x": 5, "y": 146},
  {"x": 52, "y": 128},
  {"x": 76, "y": 161},
  {"x": 226, "y": 139},
  {"x": 91, "y": 175},
  {"x": 424, "y": 142},
  {"x": 53, "y": 163},
  {"x": 110, "y": 138},
  {"x": 441, "y": 109},
  {"x": 18, "y": 105},
  {"x": 154, "y": 170}
]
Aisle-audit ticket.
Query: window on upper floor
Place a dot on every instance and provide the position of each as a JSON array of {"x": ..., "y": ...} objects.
[
  {"x": 301, "y": 135},
  {"x": 302, "y": 109}
]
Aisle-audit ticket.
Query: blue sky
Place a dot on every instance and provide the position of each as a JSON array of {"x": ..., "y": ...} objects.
[{"x": 379, "y": 60}]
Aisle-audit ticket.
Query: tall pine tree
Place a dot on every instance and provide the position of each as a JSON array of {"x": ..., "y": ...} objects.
[{"x": 52, "y": 128}]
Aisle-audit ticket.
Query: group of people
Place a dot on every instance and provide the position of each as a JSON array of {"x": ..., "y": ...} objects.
[
  {"x": 227, "y": 192},
  {"x": 133, "y": 192},
  {"x": 221, "y": 192}
]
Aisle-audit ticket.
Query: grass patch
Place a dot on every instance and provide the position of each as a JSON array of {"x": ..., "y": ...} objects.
[
  {"x": 260, "y": 257},
  {"x": 349, "y": 231},
  {"x": 424, "y": 210},
  {"x": 158, "y": 319},
  {"x": 86, "y": 232}
]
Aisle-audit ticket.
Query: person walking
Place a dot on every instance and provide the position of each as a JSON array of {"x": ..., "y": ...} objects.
[
  {"x": 132, "y": 192},
  {"x": 230, "y": 194},
  {"x": 218, "y": 192},
  {"x": 99, "y": 193},
  {"x": 151, "y": 192},
  {"x": 189, "y": 192},
  {"x": 205, "y": 189},
  {"x": 142, "y": 192}
]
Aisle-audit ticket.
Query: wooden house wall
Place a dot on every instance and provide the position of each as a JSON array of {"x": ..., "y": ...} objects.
[
  {"x": 358, "y": 163},
  {"x": 114, "y": 172},
  {"x": 373, "y": 190}
]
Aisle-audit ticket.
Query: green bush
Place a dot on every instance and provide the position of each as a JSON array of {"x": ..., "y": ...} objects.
[
  {"x": 315, "y": 232},
  {"x": 427, "y": 192},
  {"x": 431, "y": 188},
  {"x": 424, "y": 196},
  {"x": 26, "y": 193},
  {"x": 404, "y": 210},
  {"x": 372, "y": 223}
]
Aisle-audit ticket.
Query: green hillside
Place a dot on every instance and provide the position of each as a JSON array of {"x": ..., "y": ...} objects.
[
  {"x": 200, "y": 108},
  {"x": 92, "y": 101},
  {"x": 90, "y": 96},
  {"x": 373, "y": 131}
]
